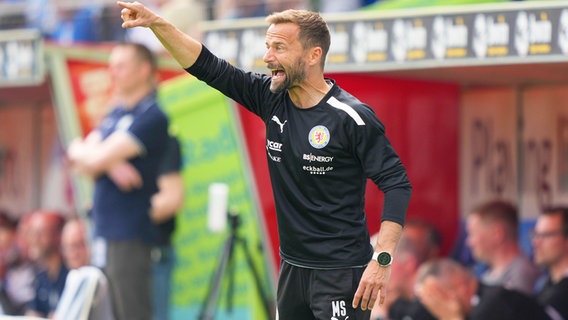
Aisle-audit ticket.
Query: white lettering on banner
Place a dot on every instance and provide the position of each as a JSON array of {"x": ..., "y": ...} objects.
[
  {"x": 409, "y": 39},
  {"x": 522, "y": 34},
  {"x": 339, "y": 51},
  {"x": 456, "y": 33},
  {"x": 563, "y": 31},
  {"x": 370, "y": 42},
  {"x": 490, "y": 36},
  {"x": 540, "y": 31},
  {"x": 340, "y": 40},
  {"x": 447, "y": 34},
  {"x": 497, "y": 31},
  {"x": 417, "y": 35}
]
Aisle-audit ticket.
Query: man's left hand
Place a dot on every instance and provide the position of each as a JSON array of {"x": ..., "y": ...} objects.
[{"x": 373, "y": 285}]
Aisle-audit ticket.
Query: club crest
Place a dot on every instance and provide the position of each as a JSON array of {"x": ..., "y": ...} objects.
[{"x": 319, "y": 137}]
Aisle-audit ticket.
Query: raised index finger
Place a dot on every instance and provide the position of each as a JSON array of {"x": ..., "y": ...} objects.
[{"x": 127, "y": 5}]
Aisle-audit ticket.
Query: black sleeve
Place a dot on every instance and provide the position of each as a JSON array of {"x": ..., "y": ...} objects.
[
  {"x": 382, "y": 165},
  {"x": 251, "y": 90}
]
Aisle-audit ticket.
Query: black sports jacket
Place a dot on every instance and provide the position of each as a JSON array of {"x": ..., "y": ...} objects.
[{"x": 319, "y": 161}]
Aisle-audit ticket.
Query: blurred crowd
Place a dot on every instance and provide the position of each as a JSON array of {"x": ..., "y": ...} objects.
[
  {"x": 67, "y": 22},
  {"x": 503, "y": 281},
  {"x": 36, "y": 253}
]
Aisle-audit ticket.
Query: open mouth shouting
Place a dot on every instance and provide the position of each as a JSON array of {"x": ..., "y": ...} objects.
[
  {"x": 278, "y": 73},
  {"x": 278, "y": 78}
]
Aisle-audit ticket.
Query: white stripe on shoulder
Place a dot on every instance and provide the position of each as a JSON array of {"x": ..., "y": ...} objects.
[{"x": 348, "y": 109}]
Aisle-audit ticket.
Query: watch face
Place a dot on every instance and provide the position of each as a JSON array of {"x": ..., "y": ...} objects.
[{"x": 384, "y": 258}]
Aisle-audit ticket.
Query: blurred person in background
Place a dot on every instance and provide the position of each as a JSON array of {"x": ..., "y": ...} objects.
[
  {"x": 75, "y": 244},
  {"x": 450, "y": 292},
  {"x": 123, "y": 156},
  {"x": 8, "y": 244},
  {"x": 550, "y": 244},
  {"x": 184, "y": 14},
  {"x": 492, "y": 235},
  {"x": 18, "y": 282},
  {"x": 45, "y": 250},
  {"x": 165, "y": 205},
  {"x": 108, "y": 25},
  {"x": 424, "y": 237},
  {"x": 8, "y": 257},
  {"x": 76, "y": 24}
]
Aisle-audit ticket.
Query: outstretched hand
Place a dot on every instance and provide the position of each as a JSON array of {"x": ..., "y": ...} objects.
[{"x": 135, "y": 14}]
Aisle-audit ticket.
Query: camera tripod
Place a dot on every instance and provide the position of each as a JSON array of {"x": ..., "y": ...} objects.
[{"x": 226, "y": 265}]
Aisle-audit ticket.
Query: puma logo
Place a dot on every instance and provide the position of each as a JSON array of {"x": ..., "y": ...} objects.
[{"x": 281, "y": 124}]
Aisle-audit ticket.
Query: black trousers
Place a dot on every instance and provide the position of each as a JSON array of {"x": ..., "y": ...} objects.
[{"x": 312, "y": 294}]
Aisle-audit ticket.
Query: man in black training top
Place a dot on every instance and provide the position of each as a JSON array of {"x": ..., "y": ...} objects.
[{"x": 322, "y": 145}]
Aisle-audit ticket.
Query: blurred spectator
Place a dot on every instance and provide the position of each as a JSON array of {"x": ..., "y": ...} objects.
[
  {"x": 550, "y": 243},
  {"x": 75, "y": 244},
  {"x": 461, "y": 252},
  {"x": 8, "y": 256},
  {"x": 450, "y": 291},
  {"x": 492, "y": 235},
  {"x": 77, "y": 256},
  {"x": 18, "y": 282},
  {"x": 45, "y": 251},
  {"x": 75, "y": 25},
  {"x": 64, "y": 22},
  {"x": 123, "y": 155},
  {"x": 184, "y": 14},
  {"x": 165, "y": 204},
  {"x": 42, "y": 15},
  {"x": 8, "y": 244},
  {"x": 425, "y": 237},
  {"x": 110, "y": 24}
]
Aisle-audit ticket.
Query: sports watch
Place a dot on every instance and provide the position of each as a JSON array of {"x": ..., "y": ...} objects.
[{"x": 383, "y": 258}]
